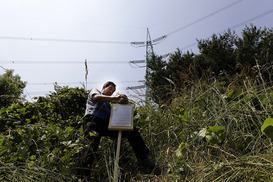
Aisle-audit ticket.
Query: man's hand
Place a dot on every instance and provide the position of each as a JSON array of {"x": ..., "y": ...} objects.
[
  {"x": 123, "y": 99},
  {"x": 122, "y": 96}
]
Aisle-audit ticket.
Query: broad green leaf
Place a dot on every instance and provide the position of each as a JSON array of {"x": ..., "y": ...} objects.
[
  {"x": 1, "y": 139},
  {"x": 213, "y": 138},
  {"x": 267, "y": 127},
  {"x": 182, "y": 150},
  {"x": 233, "y": 94},
  {"x": 216, "y": 129},
  {"x": 33, "y": 157},
  {"x": 215, "y": 134}
]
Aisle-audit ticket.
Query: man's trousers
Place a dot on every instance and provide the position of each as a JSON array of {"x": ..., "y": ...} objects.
[{"x": 96, "y": 125}]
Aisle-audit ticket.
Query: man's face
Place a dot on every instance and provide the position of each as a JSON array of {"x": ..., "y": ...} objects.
[{"x": 108, "y": 90}]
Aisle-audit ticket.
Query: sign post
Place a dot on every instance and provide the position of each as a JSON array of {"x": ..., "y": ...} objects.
[
  {"x": 117, "y": 157},
  {"x": 121, "y": 118}
]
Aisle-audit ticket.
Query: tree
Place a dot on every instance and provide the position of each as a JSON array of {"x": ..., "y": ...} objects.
[
  {"x": 223, "y": 53},
  {"x": 167, "y": 77},
  {"x": 46, "y": 134},
  {"x": 11, "y": 88},
  {"x": 219, "y": 52},
  {"x": 156, "y": 78},
  {"x": 67, "y": 103},
  {"x": 255, "y": 46},
  {"x": 179, "y": 68}
]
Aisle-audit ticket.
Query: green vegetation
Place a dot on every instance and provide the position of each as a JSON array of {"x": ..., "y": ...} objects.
[
  {"x": 223, "y": 56},
  {"x": 210, "y": 121},
  {"x": 11, "y": 88}
]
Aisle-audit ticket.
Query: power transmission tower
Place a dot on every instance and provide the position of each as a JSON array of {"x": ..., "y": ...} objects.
[{"x": 149, "y": 53}]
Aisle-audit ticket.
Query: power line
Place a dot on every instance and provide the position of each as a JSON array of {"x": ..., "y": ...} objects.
[
  {"x": 39, "y": 93},
  {"x": 252, "y": 19},
  {"x": 74, "y": 83},
  {"x": 159, "y": 39},
  {"x": 61, "y": 83},
  {"x": 205, "y": 17},
  {"x": 167, "y": 18},
  {"x": 63, "y": 62},
  {"x": 135, "y": 43},
  {"x": 237, "y": 25},
  {"x": 3, "y": 68},
  {"x": 199, "y": 20},
  {"x": 64, "y": 40}
]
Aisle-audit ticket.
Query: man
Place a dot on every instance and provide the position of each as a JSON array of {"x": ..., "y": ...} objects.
[{"x": 96, "y": 120}]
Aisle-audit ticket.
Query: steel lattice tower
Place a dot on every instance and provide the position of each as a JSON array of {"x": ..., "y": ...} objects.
[{"x": 149, "y": 53}]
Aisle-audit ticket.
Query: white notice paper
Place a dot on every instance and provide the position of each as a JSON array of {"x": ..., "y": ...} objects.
[{"x": 121, "y": 117}]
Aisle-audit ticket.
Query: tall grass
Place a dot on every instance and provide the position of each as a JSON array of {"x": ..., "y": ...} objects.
[
  {"x": 22, "y": 172},
  {"x": 179, "y": 136},
  {"x": 176, "y": 133},
  {"x": 240, "y": 105}
]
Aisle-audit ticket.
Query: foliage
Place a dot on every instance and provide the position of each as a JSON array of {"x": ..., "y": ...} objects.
[
  {"x": 44, "y": 136},
  {"x": 11, "y": 88},
  {"x": 245, "y": 168},
  {"x": 267, "y": 127},
  {"x": 156, "y": 77},
  {"x": 51, "y": 147},
  {"x": 219, "y": 53},
  {"x": 255, "y": 46},
  {"x": 215, "y": 134},
  {"x": 206, "y": 127},
  {"x": 222, "y": 56}
]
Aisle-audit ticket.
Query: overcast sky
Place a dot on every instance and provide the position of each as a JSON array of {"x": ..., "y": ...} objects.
[{"x": 47, "y": 41}]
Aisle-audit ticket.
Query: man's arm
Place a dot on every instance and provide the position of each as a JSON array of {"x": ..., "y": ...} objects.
[{"x": 105, "y": 98}]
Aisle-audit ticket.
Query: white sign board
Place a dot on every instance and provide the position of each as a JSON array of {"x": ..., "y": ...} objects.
[{"x": 121, "y": 117}]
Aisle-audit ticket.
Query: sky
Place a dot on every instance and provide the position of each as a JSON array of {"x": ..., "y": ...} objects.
[{"x": 48, "y": 41}]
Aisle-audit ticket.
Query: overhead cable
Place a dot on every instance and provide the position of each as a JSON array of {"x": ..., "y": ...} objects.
[
  {"x": 237, "y": 25},
  {"x": 63, "y": 40},
  {"x": 42, "y": 93},
  {"x": 205, "y": 17},
  {"x": 252, "y": 19},
  {"x": 135, "y": 43},
  {"x": 3, "y": 68},
  {"x": 74, "y": 83},
  {"x": 63, "y": 62},
  {"x": 157, "y": 40}
]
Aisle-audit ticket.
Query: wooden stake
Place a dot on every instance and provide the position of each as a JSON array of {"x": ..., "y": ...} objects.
[{"x": 116, "y": 171}]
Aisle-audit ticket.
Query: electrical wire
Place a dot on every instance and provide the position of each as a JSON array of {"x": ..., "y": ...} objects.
[
  {"x": 49, "y": 91},
  {"x": 235, "y": 26},
  {"x": 136, "y": 44},
  {"x": 252, "y": 19},
  {"x": 72, "y": 83},
  {"x": 205, "y": 17},
  {"x": 168, "y": 17},
  {"x": 63, "y": 62},
  {"x": 3, "y": 68},
  {"x": 63, "y": 40}
]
